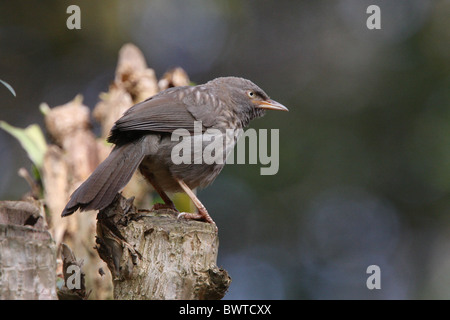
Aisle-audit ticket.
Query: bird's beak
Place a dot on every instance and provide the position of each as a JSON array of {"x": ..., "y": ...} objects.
[{"x": 271, "y": 105}]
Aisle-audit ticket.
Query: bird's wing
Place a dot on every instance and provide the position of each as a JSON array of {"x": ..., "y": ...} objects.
[{"x": 162, "y": 113}]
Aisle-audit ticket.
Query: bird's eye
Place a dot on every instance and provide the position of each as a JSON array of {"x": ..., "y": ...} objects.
[{"x": 251, "y": 94}]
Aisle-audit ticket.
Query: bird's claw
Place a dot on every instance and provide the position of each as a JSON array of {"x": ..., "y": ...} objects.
[
  {"x": 189, "y": 216},
  {"x": 196, "y": 216}
]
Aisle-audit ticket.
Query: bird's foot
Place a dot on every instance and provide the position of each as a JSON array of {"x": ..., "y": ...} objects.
[
  {"x": 201, "y": 215},
  {"x": 159, "y": 206}
]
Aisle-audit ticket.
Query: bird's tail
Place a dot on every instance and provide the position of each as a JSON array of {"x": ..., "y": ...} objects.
[{"x": 99, "y": 190}]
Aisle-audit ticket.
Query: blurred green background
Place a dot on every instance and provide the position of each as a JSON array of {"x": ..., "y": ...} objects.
[{"x": 364, "y": 173}]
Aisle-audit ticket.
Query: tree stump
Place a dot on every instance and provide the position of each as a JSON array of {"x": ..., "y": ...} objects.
[
  {"x": 152, "y": 255},
  {"x": 27, "y": 252}
]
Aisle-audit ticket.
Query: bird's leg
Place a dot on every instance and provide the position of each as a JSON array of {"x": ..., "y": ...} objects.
[
  {"x": 202, "y": 212},
  {"x": 168, "y": 204}
]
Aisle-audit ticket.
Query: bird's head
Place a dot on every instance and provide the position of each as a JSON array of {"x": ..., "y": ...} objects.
[{"x": 250, "y": 101}]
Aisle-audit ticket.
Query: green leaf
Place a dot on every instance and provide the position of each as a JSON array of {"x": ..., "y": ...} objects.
[
  {"x": 32, "y": 140},
  {"x": 44, "y": 108},
  {"x": 183, "y": 203},
  {"x": 8, "y": 86}
]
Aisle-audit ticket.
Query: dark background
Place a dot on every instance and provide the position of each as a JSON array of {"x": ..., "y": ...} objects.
[{"x": 364, "y": 172}]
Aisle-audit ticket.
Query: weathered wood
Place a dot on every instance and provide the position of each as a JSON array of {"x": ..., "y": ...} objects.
[
  {"x": 27, "y": 252},
  {"x": 74, "y": 287},
  {"x": 152, "y": 255},
  {"x": 67, "y": 163}
]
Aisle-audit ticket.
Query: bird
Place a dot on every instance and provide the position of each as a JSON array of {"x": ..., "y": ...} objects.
[{"x": 143, "y": 140}]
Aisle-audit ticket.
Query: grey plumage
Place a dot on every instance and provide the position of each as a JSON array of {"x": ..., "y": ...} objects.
[{"x": 142, "y": 139}]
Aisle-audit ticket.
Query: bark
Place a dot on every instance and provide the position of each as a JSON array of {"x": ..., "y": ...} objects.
[
  {"x": 27, "y": 252},
  {"x": 73, "y": 287},
  {"x": 152, "y": 255}
]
